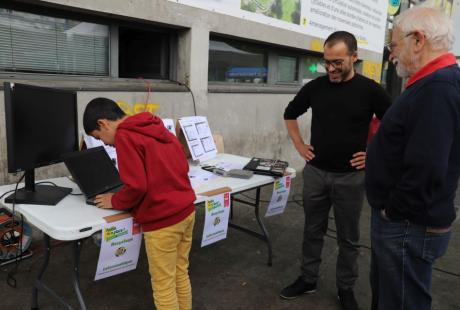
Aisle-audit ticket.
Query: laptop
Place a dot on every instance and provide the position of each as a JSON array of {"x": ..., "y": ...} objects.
[{"x": 93, "y": 171}]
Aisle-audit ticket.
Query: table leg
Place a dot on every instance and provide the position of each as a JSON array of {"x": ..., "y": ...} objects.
[
  {"x": 264, "y": 236},
  {"x": 39, "y": 284},
  {"x": 46, "y": 241},
  {"x": 231, "y": 207},
  {"x": 76, "y": 283},
  {"x": 262, "y": 226}
]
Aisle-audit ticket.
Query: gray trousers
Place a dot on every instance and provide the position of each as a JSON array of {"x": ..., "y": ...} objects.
[{"x": 345, "y": 193}]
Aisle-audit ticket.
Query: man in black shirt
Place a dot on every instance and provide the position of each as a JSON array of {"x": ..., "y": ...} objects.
[{"x": 342, "y": 103}]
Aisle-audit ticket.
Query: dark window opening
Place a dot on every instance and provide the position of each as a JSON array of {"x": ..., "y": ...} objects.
[{"x": 143, "y": 54}]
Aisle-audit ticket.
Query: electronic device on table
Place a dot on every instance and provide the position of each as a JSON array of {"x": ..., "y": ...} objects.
[
  {"x": 271, "y": 167},
  {"x": 41, "y": 125},
  {"x": 93, "y": 171},
  {"x": 232, "y": 173}
]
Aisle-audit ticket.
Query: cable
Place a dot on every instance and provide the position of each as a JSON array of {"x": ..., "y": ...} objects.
[
  {"x": 149, "y": 89},
  {"x": 6, "y": 193},
  {"x": 267, "y": 201},
  {"x": 54, "y": 184},
  {"x": 46, "y": 182},
  {"x": 360, "y": 245},
  {"x": 39, "y": 249},
  {"x": 10, "y": 276},
  {"x": 179, "y": 83},
  {"x": 190, "y": 91},
  {"x": 369, "y": 248},
  {"x": 10, "y": 280},
  {"x": 447, "y": 272}
]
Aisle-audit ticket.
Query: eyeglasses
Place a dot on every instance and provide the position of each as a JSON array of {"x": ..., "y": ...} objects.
[
  {"x": 336, "y": 64},
  {"x": 391, "y": 46}
]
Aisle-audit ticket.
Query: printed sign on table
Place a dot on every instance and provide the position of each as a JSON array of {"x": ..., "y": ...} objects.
[
  {"x": 199, "y": 137},
  {"x": 216, "y": 219},
  {"x": 281, "y": 189},
  {"x": 121, "y": 242}
]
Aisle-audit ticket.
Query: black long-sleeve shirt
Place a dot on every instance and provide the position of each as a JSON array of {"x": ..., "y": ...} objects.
[{"x": 341, "y": 113}]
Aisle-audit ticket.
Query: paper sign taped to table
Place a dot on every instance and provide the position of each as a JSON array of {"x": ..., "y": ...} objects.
[
  {"x": 120, "y": 246},
  {"x": 217, "y": 211},
  {"x": 280, "y": 195},
  {"x": 197, "y": 134}
]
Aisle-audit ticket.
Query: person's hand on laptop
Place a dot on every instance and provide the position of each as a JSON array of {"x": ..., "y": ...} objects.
[{"x": 104, "y": 201}]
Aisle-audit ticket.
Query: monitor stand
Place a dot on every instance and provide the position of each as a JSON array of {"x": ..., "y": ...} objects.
[{"x": 38, "y": 194}]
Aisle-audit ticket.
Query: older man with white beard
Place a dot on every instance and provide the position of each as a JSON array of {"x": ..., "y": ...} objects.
[{"x": 413, "y": 163}]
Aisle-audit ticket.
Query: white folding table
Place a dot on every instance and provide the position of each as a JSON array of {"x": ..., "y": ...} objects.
[{"x": 73, "y": 220}]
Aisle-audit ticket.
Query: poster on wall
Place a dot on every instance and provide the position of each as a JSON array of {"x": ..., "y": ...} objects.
[{"x": 366, "y": 19}]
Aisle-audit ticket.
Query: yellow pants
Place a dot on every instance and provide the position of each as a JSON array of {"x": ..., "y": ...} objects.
[{"x": 167, "y": 252}]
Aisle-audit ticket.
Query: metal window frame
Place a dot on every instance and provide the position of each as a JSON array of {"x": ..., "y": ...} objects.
[
  {"x": 57, "y": 11},
  {"x": 273, "y": 54}
]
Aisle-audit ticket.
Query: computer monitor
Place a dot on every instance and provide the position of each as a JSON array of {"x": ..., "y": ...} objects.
[{"x": 41, "y": 125}]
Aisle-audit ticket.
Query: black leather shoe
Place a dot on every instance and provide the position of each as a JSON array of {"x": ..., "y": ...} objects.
[
  {"x": 347, "y": 300},
  {"x": 298, "y": 288}
]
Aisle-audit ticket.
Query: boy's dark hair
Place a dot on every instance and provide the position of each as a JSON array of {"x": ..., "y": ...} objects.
[
  {"x": 100, "y": 108},
  {"x": 345, "y": 37}
]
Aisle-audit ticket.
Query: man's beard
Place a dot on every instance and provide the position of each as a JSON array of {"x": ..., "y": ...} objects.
[
  {"x": 400, "y": 69},
  {"x": 343, "y": 75}
]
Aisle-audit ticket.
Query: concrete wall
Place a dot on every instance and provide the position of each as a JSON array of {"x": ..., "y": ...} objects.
[
  {"x": 456, "y": 19},
  {"x": 173, "y": 105},
  {"x": 251, "y": 123}
]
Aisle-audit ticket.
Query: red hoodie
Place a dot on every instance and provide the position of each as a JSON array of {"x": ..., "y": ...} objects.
[{"x": 154, "y": 170}]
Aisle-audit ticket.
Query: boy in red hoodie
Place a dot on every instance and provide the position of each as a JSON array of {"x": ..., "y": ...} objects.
[{"x": 157, "y": 191}]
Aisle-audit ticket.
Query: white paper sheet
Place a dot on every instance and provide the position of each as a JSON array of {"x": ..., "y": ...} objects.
[
  {"x": 199, "y": 137},
  {"x": 280, "y": 195},
  {"x": 121, "y": 242},
  {"x": 217, "y": 210}
]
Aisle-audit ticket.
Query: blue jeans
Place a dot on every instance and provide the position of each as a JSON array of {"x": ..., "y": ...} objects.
[{"x": 401, "y": 264}]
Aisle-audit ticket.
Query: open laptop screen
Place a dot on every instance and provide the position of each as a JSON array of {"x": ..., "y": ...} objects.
[{"x": 93, "y": 171}]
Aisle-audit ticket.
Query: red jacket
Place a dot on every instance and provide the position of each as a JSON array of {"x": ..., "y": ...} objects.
[{"x": 154, "y": 170}]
